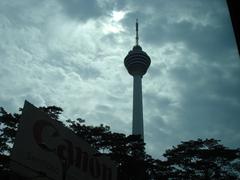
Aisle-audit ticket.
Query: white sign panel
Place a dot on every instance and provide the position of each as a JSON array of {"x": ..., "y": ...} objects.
[{"x": 45, "y": 149}]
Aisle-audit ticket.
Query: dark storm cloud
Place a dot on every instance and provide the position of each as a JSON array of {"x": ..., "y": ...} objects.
[
  {"x": 160, "y": 101},
  {"x": 208, "y": 117},
  {"x": 156, "y": 71},
  {"x": 90, "y": 9},
  {"x": 88, "y": 72},
  {"x": 209, "y": 41},
  {"x": 27, "y": 12},
  {"x": 81, "y": 9},
  {"x": 210, "y": 100},
  {"x": 84, "y": 71},
  {"x": 161, "y": 135}
]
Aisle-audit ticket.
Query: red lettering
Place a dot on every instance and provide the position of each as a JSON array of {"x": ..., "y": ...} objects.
[
  {"x": 65, "y": 152},
  {"x": 38, "y": 130}
]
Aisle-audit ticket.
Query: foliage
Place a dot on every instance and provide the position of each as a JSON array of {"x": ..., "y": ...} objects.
[
  {"x": 52, "y": 111},
  {"x": 194, "y": 159},
  {"x": 127, "y": 151},
  {"x": 9, "y": 123},
  {"x": 202, "y": 159}
]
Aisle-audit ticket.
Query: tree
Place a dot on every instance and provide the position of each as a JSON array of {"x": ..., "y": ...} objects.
[
  {"x": 8, "y": 124},
  {"x": 127, "y": 151},
  {"x": 194, "y": 159},
  {"x": 202, "y": 159}
]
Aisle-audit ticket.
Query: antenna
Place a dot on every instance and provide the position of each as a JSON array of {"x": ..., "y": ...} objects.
[{"x": 137, "y": 32}]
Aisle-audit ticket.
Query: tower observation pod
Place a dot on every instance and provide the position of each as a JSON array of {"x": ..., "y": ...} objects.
[{"x": 137, "y": 63}]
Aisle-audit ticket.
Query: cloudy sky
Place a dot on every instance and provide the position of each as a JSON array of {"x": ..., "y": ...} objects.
[{"x": 70, "y": 53}]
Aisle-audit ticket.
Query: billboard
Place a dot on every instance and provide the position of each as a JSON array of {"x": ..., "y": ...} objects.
[{"x": 45, "y": 149}]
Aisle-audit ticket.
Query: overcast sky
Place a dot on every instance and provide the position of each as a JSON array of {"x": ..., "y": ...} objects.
[{"x": 70, "y": 53}]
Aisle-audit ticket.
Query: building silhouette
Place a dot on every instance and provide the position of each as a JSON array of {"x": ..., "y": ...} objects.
[
  {"x": 137, "y": 63},
  {"x": 234, "y": 11}
]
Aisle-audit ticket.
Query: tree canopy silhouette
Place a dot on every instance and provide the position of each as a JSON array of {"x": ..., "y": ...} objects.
[
  {"x": 202, "y": 159},
  {"x": 194, "y": 159}
]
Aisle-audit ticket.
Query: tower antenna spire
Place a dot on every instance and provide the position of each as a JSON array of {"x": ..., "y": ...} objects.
[{"x": 137, "y": 32}]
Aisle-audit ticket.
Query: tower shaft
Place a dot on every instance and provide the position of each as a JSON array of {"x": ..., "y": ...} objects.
[{"x": 137, "y": 126}]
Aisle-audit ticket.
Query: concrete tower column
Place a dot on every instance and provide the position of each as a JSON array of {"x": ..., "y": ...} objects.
[{"x": 137, "y": 123}]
